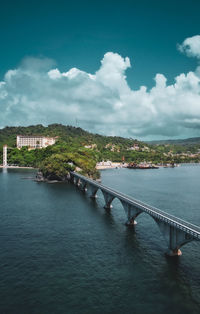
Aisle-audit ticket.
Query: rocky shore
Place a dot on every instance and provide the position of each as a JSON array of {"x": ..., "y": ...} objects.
[{"x": 50, "y": 179}]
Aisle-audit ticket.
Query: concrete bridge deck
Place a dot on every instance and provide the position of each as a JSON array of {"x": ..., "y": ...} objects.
[{"x": 176, "y": 231}]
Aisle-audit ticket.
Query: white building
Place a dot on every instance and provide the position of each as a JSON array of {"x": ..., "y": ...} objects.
[
  {"x": 34, "y": 141},
  {"x": 107, "y": 163},
  {"x": 134, "y": 147}
]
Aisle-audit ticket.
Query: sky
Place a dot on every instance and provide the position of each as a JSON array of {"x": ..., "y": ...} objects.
[{"x": 128, "y": 68}]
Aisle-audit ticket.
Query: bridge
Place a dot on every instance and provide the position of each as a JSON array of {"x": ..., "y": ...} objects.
[{"x": 176, "y": 231}]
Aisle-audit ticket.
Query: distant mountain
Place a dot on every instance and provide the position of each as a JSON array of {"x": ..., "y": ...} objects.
[{"x": 187, "y": 141}]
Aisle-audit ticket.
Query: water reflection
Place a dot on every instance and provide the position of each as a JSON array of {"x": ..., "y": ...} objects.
[
  {"x": 63, "y": 253},
  {"x": 5, "y": 170}
]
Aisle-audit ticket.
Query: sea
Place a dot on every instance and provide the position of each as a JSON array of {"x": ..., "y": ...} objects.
[{"x": 62, "y": 252}]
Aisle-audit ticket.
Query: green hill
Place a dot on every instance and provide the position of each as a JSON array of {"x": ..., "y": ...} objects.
[
  {"x": 97, "y": 147},
  {"x": 67, "y": 134}
]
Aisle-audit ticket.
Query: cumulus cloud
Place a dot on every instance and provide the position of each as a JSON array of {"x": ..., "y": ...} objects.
[
  {"x": 103, "y": 102},
  {"x": 191, "y": 46}
]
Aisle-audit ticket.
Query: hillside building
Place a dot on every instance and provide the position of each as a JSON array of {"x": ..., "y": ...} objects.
[
  {"x": 34, "y": 141},
  {"x": 134, "y": 147}
]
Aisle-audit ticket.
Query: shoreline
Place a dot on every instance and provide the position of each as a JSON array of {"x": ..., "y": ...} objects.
[
  {"x": 16, "y": 167},
  {"x": 98, "y": 167},
  {"x": 119, "y": 166}
]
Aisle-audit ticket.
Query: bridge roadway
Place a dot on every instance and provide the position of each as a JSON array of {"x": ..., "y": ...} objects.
[{"x": 176, "y": 231}]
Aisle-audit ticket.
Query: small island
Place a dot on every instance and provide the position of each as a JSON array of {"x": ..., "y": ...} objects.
[{"x": 57, "y": 167}]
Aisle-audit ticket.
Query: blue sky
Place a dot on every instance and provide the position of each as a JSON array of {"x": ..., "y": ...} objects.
[{"x": 38, "y": 37}]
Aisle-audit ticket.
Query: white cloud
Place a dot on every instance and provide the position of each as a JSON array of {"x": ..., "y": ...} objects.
[
  {"x": 37, "y": 92},
  {"x": 191, "y": 46},
  {"x": 54, "y": 74}
]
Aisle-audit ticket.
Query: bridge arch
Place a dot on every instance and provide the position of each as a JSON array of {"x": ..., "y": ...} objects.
[
  {"x": 174, "y": 237},
  {"x": 92, "y": 190},
  {"x": 131, "y": 212},
  {"x": 83, "y": 185},
  {"x": 108, "y": 199}
]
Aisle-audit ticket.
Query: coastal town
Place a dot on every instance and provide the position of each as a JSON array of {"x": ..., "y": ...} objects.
[{"x": 123, "y": 153}]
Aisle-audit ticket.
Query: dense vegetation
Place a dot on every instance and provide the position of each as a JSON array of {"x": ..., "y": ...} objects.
[
  {"x": 57, "y": 160},
  {"x": 68, "y": 134},
  {"x": 58, "y": 165},
  {"x": 78, "y": 148}
]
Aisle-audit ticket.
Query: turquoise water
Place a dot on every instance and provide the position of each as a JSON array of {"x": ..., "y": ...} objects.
[{"x": 61, "y": 252}]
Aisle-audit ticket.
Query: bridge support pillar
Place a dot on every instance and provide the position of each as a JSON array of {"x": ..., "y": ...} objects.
[
  {"x": 176, "y": 252},
  {"x": 108, "y": 200},
  {"x": 76, "y": 181},
  {"x": 131, "y": 212},
  {"x": 174, "y": 237},
  {"x": 92, "y": 191},
  {"x": 83, "y": 185},
  {"x": 71, "y": 178}
]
